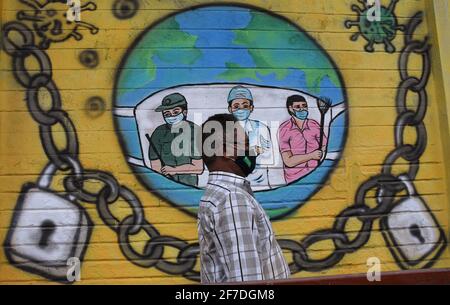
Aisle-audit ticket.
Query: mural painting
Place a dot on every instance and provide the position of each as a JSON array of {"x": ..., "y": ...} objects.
[
  {"x": 283, "y": 83},
  {"x": 270, "y": 82}
]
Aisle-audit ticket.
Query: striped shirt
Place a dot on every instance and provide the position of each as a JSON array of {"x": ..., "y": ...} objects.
[{"x": 237, "y": 242}]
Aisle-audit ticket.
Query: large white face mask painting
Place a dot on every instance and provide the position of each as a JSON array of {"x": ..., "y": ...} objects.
[{"x": 206, "y": 94}]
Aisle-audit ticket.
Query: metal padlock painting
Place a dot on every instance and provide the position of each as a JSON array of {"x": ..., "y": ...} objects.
[
  {"x": 47, "y": 230},
  {"x": 412, "y": 232}
]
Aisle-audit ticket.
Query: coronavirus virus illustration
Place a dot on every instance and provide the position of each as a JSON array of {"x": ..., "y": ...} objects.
[
  {"x": 51, "y": 21},
  {"x": 376, "y": 25}
]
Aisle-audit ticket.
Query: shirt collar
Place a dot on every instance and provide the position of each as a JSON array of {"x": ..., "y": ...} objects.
[
  {"x": 220, "y": 176},
  {"x": 294, "y": 124}
]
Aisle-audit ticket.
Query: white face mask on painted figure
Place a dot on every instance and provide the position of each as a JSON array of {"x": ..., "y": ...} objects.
[{"x": 172, "y": 120}]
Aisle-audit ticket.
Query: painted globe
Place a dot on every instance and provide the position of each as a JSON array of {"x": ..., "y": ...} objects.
[{"x": 215, "y": 48}]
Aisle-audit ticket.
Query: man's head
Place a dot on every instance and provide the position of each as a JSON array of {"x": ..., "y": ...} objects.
[
  {"x": 240, "y": 103},
  {"x": 297, "y": 106},
  {"x": 173, "y": 108},
  {"x": 225, "y": 145}
]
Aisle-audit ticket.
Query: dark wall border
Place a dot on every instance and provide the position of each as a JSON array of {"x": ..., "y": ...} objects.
[{"x": 416, "y": 277}]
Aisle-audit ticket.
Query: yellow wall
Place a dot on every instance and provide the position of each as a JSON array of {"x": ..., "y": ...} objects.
[{"x": 371, "y": 82}]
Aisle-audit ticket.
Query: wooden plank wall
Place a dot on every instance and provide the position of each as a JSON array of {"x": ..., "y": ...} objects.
[{"x": 371, "y": 82}]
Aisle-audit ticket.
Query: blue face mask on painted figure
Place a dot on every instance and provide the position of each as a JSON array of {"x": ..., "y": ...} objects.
[
  {"x": 241, "y": 114},
  {"x": 301, "y": 115},
  {"x": 172, "y": 120}
]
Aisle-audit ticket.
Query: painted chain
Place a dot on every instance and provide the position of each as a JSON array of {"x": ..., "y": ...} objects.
[
  {"x": 67, "y": 160},
  {"x": 386, "y": 184}
]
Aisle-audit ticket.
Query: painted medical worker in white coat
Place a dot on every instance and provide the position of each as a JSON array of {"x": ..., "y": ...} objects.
[{"x": 240, "y": 104}]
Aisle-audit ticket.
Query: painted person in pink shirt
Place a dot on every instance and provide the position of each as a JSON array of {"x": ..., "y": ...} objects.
[{"x": 299, "y": 140}]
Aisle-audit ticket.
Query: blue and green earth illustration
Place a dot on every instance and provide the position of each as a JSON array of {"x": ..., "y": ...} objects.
[{"x": 227, "y": 44}]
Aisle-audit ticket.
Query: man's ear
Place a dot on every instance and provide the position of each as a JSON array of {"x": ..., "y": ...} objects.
[
  {"x": 251, "y": 108},
  {"x": 229, "y": 109},
  {"x": 185, "y": 113}
]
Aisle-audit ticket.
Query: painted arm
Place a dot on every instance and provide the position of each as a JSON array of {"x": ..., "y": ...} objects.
[
  {"x": 265, "y": 141},
  {"x": 154, "y": 156},
  {"x": 267, "y": 158},
  {"x": 291, "y": 160},
  {"x": 194, "y": 168},
  {"x": 156, "y": 165}
]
